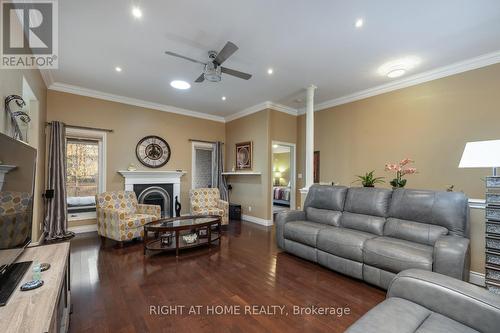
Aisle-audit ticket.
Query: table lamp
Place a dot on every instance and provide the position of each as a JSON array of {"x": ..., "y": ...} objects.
[{"x": 481, "y": 154}]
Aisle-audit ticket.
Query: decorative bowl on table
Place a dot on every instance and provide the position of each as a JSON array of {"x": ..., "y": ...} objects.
[{"x": 190, "y": 239}]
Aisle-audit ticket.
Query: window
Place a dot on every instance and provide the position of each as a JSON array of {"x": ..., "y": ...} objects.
[
  {"x": 203, "y": 160},
  {"x": 84, "y": 173}
]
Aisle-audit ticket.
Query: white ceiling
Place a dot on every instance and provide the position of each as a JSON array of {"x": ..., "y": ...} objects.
[{"x": 304, "y": 42}]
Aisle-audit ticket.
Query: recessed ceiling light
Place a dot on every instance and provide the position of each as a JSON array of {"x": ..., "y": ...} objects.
[
  {"x": 118, "y": 69},
  {"x": 137, "y": 12},
  {"x": 398, "y": 67},
  {"x": 179, "y": 84},
  {"x": 223, "y": 98},
  {"x": 396, "y": 73},
  {"x": 359, "y": 23},
  {"x": 270, "y": 71}
]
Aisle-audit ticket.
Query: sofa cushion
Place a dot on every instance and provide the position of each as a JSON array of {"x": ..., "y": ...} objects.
[
  {"x": 437, "y": 323},
  {"x": 304, "y": 232},
  {"x": 368, "y": 201},
  {"x": 447, "y": 209},
  {"x": 365, "y": 223},
  {"x": 395, "y": 255},
  {"x": 342, "y": 242},
  {"x": 414, "y": 231},
  {"x": 397, "y": 315},
  {"x": 324, "y": 216},
  {"x": 326, "y": 197},
  {"x": 394, "y": 315}
]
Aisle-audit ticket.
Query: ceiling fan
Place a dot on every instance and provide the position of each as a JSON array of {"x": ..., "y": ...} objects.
[{"x": 213, "y": 70}]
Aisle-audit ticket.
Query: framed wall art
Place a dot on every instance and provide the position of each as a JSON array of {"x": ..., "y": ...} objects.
[{"x": 244, "y": 151}]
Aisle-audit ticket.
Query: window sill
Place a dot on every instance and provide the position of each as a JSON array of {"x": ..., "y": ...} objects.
[{"x": 82, "y": 216}]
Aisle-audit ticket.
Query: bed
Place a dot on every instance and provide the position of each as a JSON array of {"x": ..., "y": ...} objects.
[{"x": 281, "y": 196}]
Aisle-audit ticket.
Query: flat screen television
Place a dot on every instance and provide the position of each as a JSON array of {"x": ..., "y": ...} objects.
[{"x": 17, "y": 183}]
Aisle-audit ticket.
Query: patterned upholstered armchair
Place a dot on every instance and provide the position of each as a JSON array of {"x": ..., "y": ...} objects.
[
  {"x": 15, "y": 218},
  {"x": 121, "y": 218},
  {"x": 206, "y": 201}
]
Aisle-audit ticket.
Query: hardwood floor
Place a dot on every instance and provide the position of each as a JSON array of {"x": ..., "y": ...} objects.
[{"x": 114, "y": 288}]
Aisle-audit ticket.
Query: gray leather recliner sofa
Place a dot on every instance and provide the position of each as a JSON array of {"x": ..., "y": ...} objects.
[
  {"x": 423, "y": 301},
  {"x": 373, "y": 234}
]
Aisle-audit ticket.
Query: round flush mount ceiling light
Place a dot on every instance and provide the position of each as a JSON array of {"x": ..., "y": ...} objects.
[
  {"x": 359, "y": 23},
  {"x": 396, "y": 73},
  {"x": 136, "y": 12},
  {"x": 179, "y": 84},
  {"x": 398, "y": 67}
]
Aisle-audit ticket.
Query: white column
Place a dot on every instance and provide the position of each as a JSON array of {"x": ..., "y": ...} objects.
[{"x": 309, "y": 136}]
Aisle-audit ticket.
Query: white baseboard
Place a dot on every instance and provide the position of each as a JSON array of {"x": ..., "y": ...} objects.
[
  {"x": 83, "y": 228},
  {"x": 476, "y": 278},
  {"x": 257, "y": 220}
]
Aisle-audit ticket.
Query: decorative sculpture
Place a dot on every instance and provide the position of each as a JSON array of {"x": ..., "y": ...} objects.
[
  {"x": 23, "y": 116},
  {"x": 177, "y": 207}
]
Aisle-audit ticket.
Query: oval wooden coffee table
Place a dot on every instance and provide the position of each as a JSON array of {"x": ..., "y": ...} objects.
[{"x": 169, "y": 233}]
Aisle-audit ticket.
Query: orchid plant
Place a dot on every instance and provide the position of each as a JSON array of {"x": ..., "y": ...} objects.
[{"x": 401, "y": 169}]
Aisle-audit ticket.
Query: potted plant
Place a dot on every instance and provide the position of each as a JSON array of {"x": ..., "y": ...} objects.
[
  {"x": 369, "y": 180},
  {"x": 401, "y": 170}
]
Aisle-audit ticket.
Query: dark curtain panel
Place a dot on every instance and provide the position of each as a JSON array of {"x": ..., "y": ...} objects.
[
  {"x": 56, "y": 221},
  {"x": 219, "y": 180}
]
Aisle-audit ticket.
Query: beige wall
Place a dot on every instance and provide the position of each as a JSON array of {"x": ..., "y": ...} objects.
[
  {"x": 429, "y": 123},
  {"x": 130, "y": 124},
  {"x": 262, "y": 128},
  {"x": 252, "y": 192},
  {"x": 11, "y": 82}
]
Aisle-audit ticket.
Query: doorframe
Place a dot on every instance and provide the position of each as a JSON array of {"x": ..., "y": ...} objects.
[
  {"x": 293, "y": 173},
  {"x": 199, "y": 145}
]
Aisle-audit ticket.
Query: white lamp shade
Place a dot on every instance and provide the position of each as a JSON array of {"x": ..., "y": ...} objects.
[{"x": 481, "y": 154}]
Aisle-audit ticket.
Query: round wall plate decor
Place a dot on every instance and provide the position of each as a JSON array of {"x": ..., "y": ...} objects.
[{"x": 153, "y": 151}]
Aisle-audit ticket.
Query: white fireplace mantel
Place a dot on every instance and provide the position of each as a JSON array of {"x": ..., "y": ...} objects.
[{"x": 153, "y": 177}]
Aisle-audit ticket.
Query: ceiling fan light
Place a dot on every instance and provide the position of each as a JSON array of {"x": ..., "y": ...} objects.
[{"x": 212, "y": 73}]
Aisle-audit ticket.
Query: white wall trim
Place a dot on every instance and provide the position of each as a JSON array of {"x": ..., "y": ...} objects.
[
  {"x": 83, "y": 228},
  {"x": 477, "y": 278},
  {"x": 47, "y": 77},
  {"x": 434, "y": 74},
  {"x": 257, "y": 220},
  {"x": 57, "y": 86},
  {"x": 477, "y": 203},
  {"x": 260, "y": 107}
]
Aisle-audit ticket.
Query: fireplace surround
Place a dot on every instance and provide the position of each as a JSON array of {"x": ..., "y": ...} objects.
[{"x": 155, "y": 187}]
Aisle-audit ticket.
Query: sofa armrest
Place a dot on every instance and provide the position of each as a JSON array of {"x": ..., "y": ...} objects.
[
  {"x": 149, "y": 209},
  {"x": 452, "y": 257},
  {"x": 284, "y": 217},
  {"x": 466, "y": 303}
]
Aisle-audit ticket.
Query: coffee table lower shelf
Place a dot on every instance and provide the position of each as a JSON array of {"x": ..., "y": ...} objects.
[{"x": 155, "y": 245}]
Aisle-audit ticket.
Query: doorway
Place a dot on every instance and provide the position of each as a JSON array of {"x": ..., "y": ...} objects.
[{"x": 283, "y": 161}]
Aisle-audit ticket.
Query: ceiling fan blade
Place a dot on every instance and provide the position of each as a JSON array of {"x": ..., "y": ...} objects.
[
  {"x": 200, "y": 78},
  {"x": 233, "y": 72},
  {"x": 225, "y": 53},
  {"x": 183, "y": 57}
]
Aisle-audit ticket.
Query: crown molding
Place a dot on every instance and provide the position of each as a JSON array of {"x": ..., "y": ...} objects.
[
  {"x": 67, "y": 88},
  {"x": 438, "y": 73},
  {"x": 259, "y": 107},
  {"x": 47, "y": 77}
]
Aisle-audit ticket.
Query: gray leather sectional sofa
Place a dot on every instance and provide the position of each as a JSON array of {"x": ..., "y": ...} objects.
[
  {"x": 426, "y": 302},
  {"x": 373, "y": 234}
]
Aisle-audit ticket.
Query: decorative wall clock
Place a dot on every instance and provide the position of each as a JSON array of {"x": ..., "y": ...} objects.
[{"x": 153, "y": 151}]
